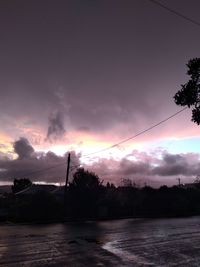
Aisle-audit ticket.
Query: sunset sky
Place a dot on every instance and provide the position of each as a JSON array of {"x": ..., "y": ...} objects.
[{"x": 83, "y": 75}]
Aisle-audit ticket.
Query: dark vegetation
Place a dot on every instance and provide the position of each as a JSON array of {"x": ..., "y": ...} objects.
[
  {"x": 20, "y": 184},
  {"x": 189, "y": 94},
  {"x": 87, "y": 198}
]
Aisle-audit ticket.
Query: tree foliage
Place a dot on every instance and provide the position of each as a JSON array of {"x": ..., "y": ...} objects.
[
  {"x": 189, "y": 94},
  {"x": 20, "y": 184},
  {"x": 85, "y": 179},
  {"x": 84, "y": 194}
]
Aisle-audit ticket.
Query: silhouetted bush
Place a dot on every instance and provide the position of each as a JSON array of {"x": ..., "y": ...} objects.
[
  {"x": 20, "y": 184},
  {"x": 87, "y": 198}
]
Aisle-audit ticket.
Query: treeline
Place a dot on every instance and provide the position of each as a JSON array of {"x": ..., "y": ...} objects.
[{"x": 87, "y": 198}]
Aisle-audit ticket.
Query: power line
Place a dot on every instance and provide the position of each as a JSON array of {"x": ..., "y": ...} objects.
[
  {"x": 175, "y": 12},
  {"x": 136, "y": 135},
  {"x": 49, "y": 168},
  {"x": 109, "y": 147},
  {"x": 45, "y": 169}
]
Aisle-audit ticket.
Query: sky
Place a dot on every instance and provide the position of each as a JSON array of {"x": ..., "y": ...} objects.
[{"x": 81, "y": 76}]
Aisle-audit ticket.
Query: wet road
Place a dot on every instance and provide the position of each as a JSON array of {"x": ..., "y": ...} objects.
[{"x": 142, "y": 242}]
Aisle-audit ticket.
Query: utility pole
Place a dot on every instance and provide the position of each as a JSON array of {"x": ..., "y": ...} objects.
[
  {"x": 66, "y": 183},
  {"x": 179, "y": 181},
  {"x": 67, "y": 173}
]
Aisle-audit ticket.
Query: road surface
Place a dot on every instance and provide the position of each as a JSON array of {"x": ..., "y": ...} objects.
[{"x": 132, "y": 242}]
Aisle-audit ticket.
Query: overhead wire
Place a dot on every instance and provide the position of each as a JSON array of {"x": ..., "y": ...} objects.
[
  {"x": 45, "y": 169},
  {"x": 72, "y": 167},
  {"x": 136, "y": 135},
  {"x": 175, "y": 12}
]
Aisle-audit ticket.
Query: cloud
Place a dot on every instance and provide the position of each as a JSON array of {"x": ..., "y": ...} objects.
[
  {"x": 56, "y": 127},
  {"x": 23, "y": 148},
  {"x": 37, "y": 166},
  {"x": 46, "y": 167},
  {"x": 158, "y": 166},
  {"x": 178, "y": 164},
  {"x": 149, "y": 167}
]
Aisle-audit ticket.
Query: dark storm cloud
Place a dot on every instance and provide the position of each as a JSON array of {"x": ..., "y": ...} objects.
[
  {"x": 38, "y": 166},
  {"x": 56, "y": 127},
  {"x": 178, "y": 165},
  {"x": 128, "y": 167},
  {"x": 36, "y": 169},
  {"x": 52, "y": 168},
  {"x": 23, "y": 148},
  {"x": 149, "y": 166},
  {"x": 109, "y": 58}
]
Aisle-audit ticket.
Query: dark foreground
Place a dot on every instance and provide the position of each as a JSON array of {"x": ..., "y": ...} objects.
[{"x": 142, "y": 242}]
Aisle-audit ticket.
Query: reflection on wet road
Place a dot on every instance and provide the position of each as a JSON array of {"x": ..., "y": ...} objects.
[{"x": 140, "y": 242}]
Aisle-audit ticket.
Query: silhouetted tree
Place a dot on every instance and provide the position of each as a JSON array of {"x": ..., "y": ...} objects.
[
  {"x": 20, "y": 184},
  {"x": 110, "y": 185},
  {"x": 189, "y": 94},
  {"x": 85, "y": 179},
  {"x": 126, "y": 182},
  {"x": 84, "y": 193}
]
